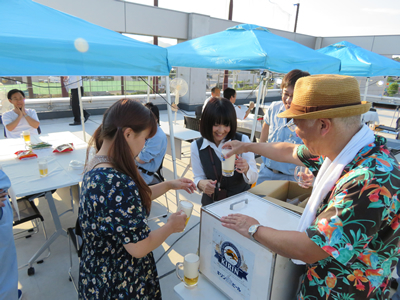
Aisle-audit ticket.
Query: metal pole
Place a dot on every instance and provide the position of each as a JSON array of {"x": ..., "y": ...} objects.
[
  {"x": 366, "y": 89},
  {"x": 148, "y": 89},
  {"x": 226, "y": 73},
  {"x": 260, "y": 89},
  {"x": 122, "y": 85},
  {"x": 297, "y": 15},
  {"x": 171, "y": 132}
]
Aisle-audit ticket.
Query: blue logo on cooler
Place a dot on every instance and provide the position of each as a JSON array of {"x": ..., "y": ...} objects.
[{"x": 230, "y": 258}]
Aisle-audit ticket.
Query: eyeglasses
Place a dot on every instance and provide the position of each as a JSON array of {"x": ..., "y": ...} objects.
[{"x": 292, "y": 127}]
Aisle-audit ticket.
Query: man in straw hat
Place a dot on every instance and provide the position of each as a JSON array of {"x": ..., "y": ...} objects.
[{"x": 348, "y": 234}]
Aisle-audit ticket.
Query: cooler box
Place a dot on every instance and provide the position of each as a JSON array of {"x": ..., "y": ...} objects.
[{"x": 240, "y": 267}]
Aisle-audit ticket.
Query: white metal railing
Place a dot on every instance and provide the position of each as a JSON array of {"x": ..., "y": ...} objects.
[
  {"x": 384, "y": 99},
  {"x": 90, "y": 102},
  {"x": 62, "y": 103}
]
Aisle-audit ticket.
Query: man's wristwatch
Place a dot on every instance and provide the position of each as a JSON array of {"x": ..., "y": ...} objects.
[{"x": 253, "y": 230}]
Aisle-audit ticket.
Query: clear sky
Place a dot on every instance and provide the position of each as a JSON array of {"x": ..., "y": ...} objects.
[{"x": 316, "y": 17}]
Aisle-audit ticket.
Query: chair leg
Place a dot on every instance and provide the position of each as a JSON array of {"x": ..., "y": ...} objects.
[
  {"x": 71, "y": 277},
  {"x": 39, "y": 261}
]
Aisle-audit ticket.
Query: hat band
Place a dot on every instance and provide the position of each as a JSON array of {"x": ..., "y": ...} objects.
[{"x": 300, "y": 109}]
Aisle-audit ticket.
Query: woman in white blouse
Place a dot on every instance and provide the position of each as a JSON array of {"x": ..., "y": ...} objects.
[{"x": 218, "y": 125}]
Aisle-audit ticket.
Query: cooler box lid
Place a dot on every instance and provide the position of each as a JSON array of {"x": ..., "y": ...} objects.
[{"x": 267, "y": 213}]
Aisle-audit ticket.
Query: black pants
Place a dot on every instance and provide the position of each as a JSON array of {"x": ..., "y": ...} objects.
[{"x": 75, "y": 105}]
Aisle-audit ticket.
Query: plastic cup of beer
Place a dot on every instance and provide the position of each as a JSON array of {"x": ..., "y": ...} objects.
[
  {"x": 190, "y": 267},
  {"x": 187, "y": 208},
  {"x": 303, "y": 176},
  {"x": 228, "y": 164},
  {"x": 26, "y": 135},
  {"x": 43, "y": 168}
]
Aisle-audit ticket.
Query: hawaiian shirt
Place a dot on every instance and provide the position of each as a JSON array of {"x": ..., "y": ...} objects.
[
  {"x": 357, "y": 225},
  {"x": 111, "y": 215}
]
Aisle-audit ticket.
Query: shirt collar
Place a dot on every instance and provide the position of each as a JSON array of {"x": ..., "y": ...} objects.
[{"x": 207, "y": 143}]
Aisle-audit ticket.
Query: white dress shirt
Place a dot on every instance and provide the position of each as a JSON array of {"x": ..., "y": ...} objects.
[
  {"x": 197, "y": 167},
  {"x": 74, "y": 82},
  {"x": 240, "y": 111}
]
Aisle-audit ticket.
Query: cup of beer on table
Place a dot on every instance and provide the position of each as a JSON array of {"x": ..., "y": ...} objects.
[
  {"x": 187, "y": 208},
  {"x": 26, "y": 135},
  {"x": 227, "y": 164},
  {"x": 43, "y": 168},
  {"x": 190, "y": 267}
]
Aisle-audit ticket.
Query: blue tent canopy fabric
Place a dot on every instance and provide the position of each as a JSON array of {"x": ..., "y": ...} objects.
[
  {"x": 357, "y": 61},
  {"x": 38, "y": 40},
  {"x": 249, "y": 47}
]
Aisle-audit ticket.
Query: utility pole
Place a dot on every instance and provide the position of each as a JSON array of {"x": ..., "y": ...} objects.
[
  {"x": 226, "y": 73},
  {"x": 155, "y": 42},
  {"x": 297, "y": 15}
]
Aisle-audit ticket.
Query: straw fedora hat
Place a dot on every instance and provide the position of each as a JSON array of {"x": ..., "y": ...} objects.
[{"x": 326, "y": 96}]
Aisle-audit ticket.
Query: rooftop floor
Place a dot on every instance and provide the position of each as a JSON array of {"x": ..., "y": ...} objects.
[{"x": 51, "y": 280}]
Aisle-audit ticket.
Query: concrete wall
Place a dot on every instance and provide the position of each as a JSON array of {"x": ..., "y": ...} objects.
[{"x": 133, "y": 18}]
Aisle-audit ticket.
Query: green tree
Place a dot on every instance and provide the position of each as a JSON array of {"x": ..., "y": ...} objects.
[{"x": 393, "y": 89}]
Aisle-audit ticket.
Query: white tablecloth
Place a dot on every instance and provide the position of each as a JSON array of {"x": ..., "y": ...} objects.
[{"x": 24, "y": 174}]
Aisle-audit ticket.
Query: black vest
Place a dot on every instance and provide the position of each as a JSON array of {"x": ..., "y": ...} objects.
[{"x": 233, "y": 185}]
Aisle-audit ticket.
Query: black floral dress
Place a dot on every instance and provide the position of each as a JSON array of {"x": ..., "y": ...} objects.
[{"x": 111, "y": 215}]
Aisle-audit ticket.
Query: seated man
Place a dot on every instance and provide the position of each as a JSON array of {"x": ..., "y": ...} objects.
[
  {"x": 152, "y": 154},
  {"x": 241, "y": 111},
  {"x": 215, "y": 93},
  {"x": 20, "y": 118}
]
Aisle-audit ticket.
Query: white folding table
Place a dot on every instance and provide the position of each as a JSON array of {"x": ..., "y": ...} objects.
[
  {"x": 25, "y": 178},
  {"x": 181, "y": 134}
]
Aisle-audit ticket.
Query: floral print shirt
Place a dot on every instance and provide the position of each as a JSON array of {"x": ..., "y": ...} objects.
[
  {"x": 110, "y": 215},
  {"x": 357, "y": 225}
]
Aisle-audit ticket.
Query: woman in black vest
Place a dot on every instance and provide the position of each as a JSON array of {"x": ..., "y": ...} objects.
[{"x": 218, "y": 125}]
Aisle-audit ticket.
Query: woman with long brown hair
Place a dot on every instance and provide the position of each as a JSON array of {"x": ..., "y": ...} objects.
[{"x": 117, "y": 262}]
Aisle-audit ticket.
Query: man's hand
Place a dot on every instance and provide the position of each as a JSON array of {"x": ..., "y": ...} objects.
[
  {"x": 3, "y": 197},
  {"x": 235, "y": 146},
  {"x": 183, "y": 184},
  {"x": 238, "y": 222}
]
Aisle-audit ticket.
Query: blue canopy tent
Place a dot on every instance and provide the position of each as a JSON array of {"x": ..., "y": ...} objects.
[
  {"x": 38, "y": 40},
  {"x": 247, "y": 46},
  {"x": 357, "y": 61}
]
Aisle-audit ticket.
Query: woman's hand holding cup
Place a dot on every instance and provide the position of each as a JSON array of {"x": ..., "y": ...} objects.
[
  {"x": 241, "y": 165},
  {"x": 177, "y": 221}
]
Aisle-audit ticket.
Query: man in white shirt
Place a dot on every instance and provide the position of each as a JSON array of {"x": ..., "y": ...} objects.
[
  {"x": 215, "y": 93},
  {"x": 241, "y": 111},
  {"x": 73, "y": 83},
  {"x": 20, "y": 118}
]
